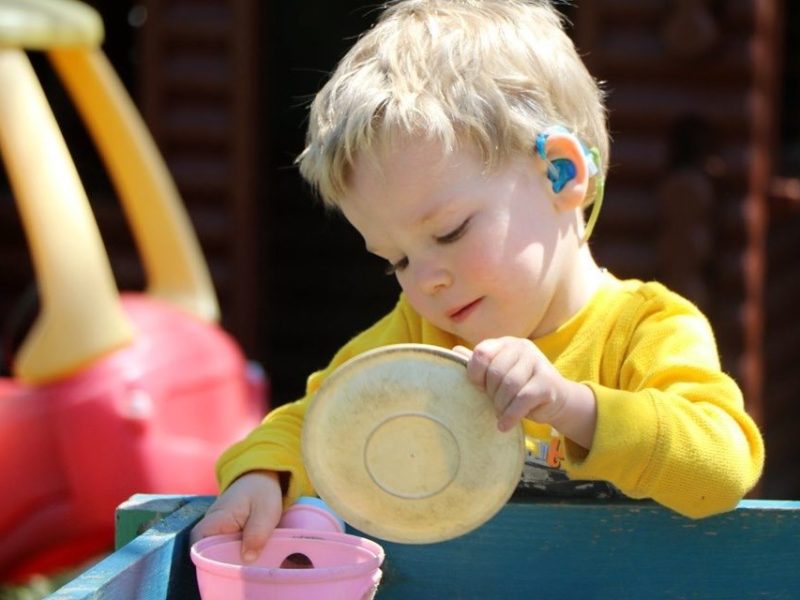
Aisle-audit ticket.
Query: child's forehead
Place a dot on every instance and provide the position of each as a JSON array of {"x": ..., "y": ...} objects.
[
  {"x": 418, "y": 181},
  {"x": 419, "y": 169},
  {"x": 412, "y": 169},
  {"x": 413, "y": 157}
]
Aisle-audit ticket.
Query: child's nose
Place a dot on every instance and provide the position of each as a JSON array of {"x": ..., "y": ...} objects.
[{"x": 432, "y": 278}]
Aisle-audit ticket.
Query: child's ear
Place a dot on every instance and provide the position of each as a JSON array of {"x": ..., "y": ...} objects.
[{"x": 564, "y": 164}]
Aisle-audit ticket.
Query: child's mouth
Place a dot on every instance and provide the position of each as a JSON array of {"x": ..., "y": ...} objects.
[{"x": 465, "y": 311}]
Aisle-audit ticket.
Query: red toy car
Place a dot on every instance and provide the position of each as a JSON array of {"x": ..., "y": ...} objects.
[{"x": 112, "y": 394}]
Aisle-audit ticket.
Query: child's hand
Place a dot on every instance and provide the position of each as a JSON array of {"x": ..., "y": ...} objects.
[
  {"x": 523, "y": 383},
  {"x": 253, "y": 504}
]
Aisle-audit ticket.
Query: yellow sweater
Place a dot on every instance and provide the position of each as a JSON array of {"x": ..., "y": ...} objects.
[{"x": 671, "y": 425}]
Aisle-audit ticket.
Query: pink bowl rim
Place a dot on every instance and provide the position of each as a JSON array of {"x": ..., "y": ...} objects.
[{"x": 278, "y": 575}]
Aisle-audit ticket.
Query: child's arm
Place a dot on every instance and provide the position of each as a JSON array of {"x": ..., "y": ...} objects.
[
  {"x": 671, "y": 425},
  {"x": 668, "y": 424},
  {"x": 275, "y": 444},
  {"x": 248, "y": 502}
]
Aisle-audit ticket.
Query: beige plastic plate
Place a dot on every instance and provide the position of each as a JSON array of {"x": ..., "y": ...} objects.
[{"x": 404, "y": 448}]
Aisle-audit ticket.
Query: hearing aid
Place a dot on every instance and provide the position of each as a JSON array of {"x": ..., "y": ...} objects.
[{"x": 561, "y": 171}]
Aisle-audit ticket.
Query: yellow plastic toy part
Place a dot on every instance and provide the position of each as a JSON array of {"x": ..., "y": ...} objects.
[
  {"x": 80, "y": 316},
  {"x": 173, "y": 262},
  {"x": 41, "y": 24}
]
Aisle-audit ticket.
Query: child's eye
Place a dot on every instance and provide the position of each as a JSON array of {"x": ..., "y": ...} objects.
[
  {"x": 393, "y": 268},
  {"x": 454, "y": 235}
]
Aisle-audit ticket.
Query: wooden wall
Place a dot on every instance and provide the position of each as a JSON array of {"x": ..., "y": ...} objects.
[
  {"x": 703, "y": 190},
  {"x": 782, "y": 291},
  {"x": 199, "y": 78},
  {"x": 685, "y": 205}
]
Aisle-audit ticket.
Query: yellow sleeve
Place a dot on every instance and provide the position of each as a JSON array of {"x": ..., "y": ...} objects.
[
  {"x": 674, "y": 429},
  {"x": 275, "y": 444}
]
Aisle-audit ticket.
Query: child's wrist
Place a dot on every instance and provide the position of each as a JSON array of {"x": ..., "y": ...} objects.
[{"x": 577, "y": 419}]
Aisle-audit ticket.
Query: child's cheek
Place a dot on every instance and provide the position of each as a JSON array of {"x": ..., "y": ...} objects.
[{"x": 479, "y": 262}]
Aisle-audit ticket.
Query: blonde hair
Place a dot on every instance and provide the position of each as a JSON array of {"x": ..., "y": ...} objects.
[{"x": 491, "y": 72}]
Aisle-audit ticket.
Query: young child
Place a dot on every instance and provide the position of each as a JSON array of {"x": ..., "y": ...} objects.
[{"x": 463, "y": 139}]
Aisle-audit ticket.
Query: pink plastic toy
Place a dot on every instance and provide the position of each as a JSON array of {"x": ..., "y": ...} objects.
[
  {"x": 111, "y": 394},
  {"x": 311, "y": 513},
  {"x": 151, "y": 417},
  {"x": 338, "y": 566}
]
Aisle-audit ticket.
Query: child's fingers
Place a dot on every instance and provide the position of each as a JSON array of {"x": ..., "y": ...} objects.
[
  {"x": 216, "y": 521},
  {"x": 497, "y": 374},
  {"x": 526, "y": 400},
  {"x": 201, "y": 530},
  {"x": 480, "y": 359},
  {"x": 257, "y": 529},
  {"x": 516, "y": 377}
]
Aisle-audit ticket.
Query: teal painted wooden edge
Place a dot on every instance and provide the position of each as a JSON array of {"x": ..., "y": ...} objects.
[
  {"x": 139, "y": 512},
  {"x": 573, "y": 548},
  {"x": 607, "y": 550},
  {"x": 154, "y": 565}
]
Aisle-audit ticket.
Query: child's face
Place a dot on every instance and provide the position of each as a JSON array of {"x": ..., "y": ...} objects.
[{"x": 479, "y": 254}]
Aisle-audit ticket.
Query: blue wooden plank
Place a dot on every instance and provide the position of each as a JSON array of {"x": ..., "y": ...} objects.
[
  {"x": 584, "y": 549},
  {"x": 600, "y": 550},
  {"x": 139, "y": 512},
  {"x": 155, "y": 565}
]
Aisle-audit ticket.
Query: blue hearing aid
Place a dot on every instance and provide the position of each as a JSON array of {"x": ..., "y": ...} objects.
[{"x": 561, "y": 170}]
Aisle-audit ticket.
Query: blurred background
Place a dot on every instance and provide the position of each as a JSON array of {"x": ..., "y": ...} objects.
[{"x": 703, "y": 191}]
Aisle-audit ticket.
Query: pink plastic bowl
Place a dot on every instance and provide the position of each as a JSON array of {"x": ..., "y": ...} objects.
[{"x": 342, "y": 567}]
